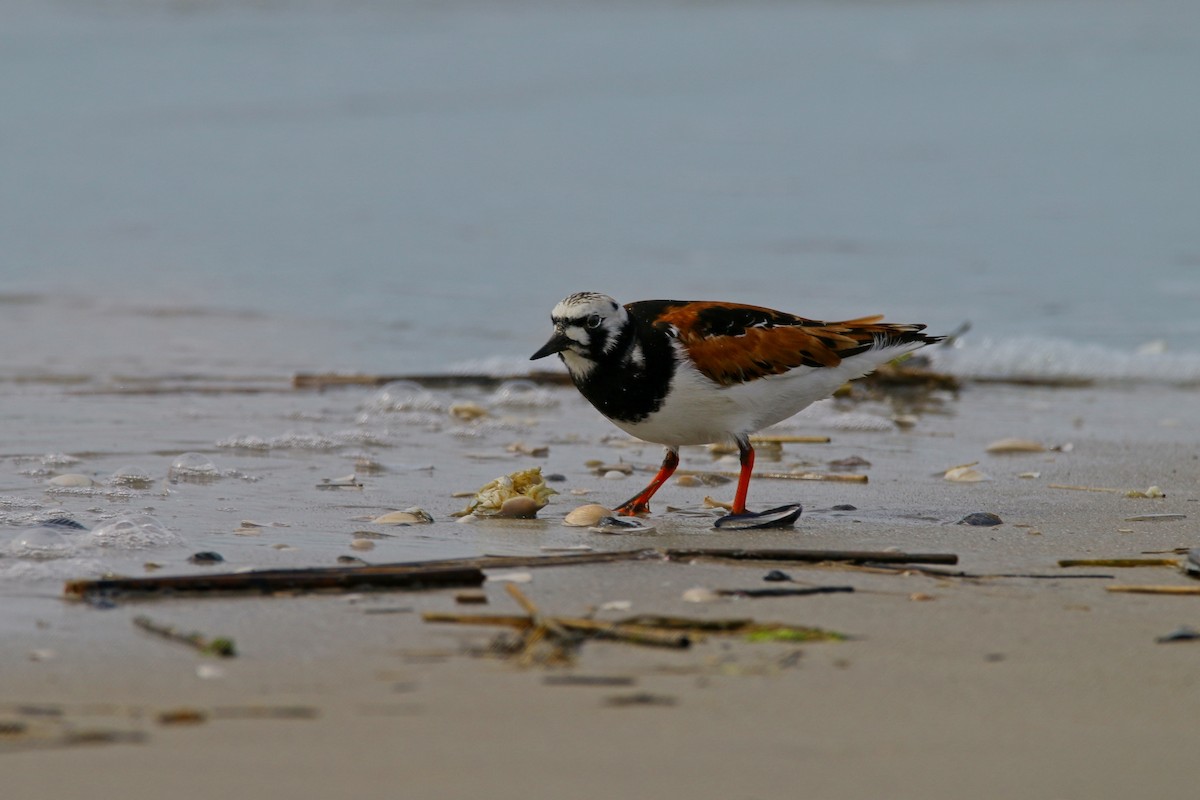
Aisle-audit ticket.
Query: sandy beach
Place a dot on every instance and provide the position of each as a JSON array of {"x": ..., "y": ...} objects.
[{"x": 948, "y": 687}]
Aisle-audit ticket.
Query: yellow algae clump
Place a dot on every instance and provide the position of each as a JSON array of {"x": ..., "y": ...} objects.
[{"x": 499, "y": 498}]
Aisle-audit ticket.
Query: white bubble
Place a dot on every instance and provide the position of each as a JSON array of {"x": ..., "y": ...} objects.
[
  {"x": 132, "y": 532},
  {"x": 523, "y": 394},
  {"x": 42, "y": 542},
  {"x": 195, "y": 467},
  {"x": 405, "y": 396}
]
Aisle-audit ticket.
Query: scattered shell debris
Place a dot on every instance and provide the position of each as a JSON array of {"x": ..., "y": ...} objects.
[
  {"x": 468, "y": 411},
  {"x": 519, "y": 495},
  {"x": 587, "y": 515},
  {"x": 613, "y": 524},
  {"x": 1014, "y": 445},
  {"x": 345, "y": 482},
  {"x": 413, "y": 515},
  {"x": 966, "y": 473},
  {"x": 982, "y": 519}
]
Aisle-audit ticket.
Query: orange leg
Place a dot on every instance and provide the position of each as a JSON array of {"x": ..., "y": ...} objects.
[
  {"x": 640, "y": 503},
  {"x": 746, "y": 456}
]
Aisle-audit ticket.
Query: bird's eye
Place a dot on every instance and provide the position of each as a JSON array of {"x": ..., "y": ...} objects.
[{"x": 593, "y": 321}]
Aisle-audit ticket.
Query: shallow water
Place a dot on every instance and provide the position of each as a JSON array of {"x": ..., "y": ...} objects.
[{"x": 258, "y": 189}]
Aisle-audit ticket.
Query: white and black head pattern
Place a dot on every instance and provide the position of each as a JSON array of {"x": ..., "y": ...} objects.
[{"x": 588, "y": 327}]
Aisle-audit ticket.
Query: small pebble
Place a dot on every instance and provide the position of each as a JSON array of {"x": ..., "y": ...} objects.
[
  {"x": 700, "y": 594},
  {"x": 844, "y": 507},
  {"x": 362, "y": 544},
  {"x": 688, "y": 481},
  {"x": 777, "y": 575},
  {"x": 614, "y": 475},
  {"x": 351, "y": 561},
  {"x": 206, "y": 557},
  {"x": 984, "y": 519}
]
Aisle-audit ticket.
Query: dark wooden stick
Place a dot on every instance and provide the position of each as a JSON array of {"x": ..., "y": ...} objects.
[
  {"x": 815, "y": 556},
  {"x": 281, "y": 580}
]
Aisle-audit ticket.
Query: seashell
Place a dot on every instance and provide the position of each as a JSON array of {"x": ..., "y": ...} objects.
[
  {"x": 362, "y": 544},
  {"x": 620, "y": 525},
  {"x": 780, "y": 517},
  {"x": 72, "y": 480},
  {"x": 409, "y": 516},
  {"x": 519, "y": 507},
  {"x": 467, "y": 411},
  {"x": 966, "y": 473},
  {"x": 982, "y": 519},
  {"x": 586, "y": 516},
  {"x": 615, "y": 475},
  {"x": 690, "y": 481},
  {"x": 1012, "y": 445}
]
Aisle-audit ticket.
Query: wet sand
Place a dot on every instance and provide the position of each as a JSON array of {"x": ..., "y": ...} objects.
[{"x": 948, "y": 688}]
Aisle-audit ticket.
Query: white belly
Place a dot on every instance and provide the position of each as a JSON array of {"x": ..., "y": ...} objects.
[{"x": 699, "y": 411}]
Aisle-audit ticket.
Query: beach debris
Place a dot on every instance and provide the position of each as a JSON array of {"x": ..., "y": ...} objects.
[
  {"x": 348, "y": 560},
  {"x": 553, "y": 641},
  {"x": 983, "y": 519},
  {"x": 1014, "y": 445},
  {"x": 1123, "y": 563},
  {"x": 413, "y": 515},
  {"x": 1156, "y": 518},
  {"x": 619, "y": 525},
  {"x": 1152, "y": 492},
  {"x": 350, "y": 481},
  {"x": 1152, "y": 589},
  {"x": 812, "y": 556},
  {"x": 798, "y": 591},
  {"x": 849, "y": 463},
  {"x": 471, "y": 598},
  {"x": 616, "y": 605},
  {"x": 570, "y": 679},
  {"x": 206, "y": 557},
  {"x": 72, "y": 480},
  {"x": 700, "y": 594},
  {"x": 491, "y": 500},
  {"x": 640, "y": 699},
  {"x": 210, "y": 672},
  {"x": 615, "y": 475},
  {"x": 1191, "y": 564},
  {"x": 222, "y": 647},
  {"x": 1181, "y": 634},
  {"x": 362, "y": 544},
  {"x": 777, "y": 576},
  {"x": 511, "y": 577},
  {"x": 468, "y": 411},
  {"x": 522, "y": 449},
  {"x": 586, "y": 515},
  {"x": 182, "y": 716},
  {"x": 921, "y": 597},
  {"x": 779, "y": 517},
  {"x": 688, "y": 481},
  {"x": 966, "y": 473},
  {"x": 748, "y": 629},
  {"x": 436, "y": 575},
  {"x": 1029, "y": 475}
]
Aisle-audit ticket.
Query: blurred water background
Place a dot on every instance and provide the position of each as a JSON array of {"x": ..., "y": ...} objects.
[{"x": 246, "y": 188}]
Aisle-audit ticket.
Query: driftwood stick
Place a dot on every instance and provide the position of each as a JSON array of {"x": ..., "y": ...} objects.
[
  {"x": 617, "y": 631},
  {"x": 220, "y": 646},
  {"x": 815, "y": 556},
  {"x": 1193, "y": 590},
  {"x": 1118, "y": 562},
  {"x": 835, "y": 477},
  {"x": 281, "y": 580}
]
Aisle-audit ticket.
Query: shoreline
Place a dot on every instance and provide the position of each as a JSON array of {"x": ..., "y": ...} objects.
[{"x": 945, "y": 686}]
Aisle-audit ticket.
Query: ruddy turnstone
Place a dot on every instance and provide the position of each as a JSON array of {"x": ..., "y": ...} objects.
[{"x": 693, "y": 372}]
